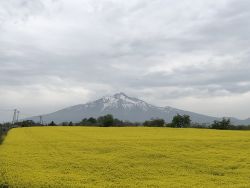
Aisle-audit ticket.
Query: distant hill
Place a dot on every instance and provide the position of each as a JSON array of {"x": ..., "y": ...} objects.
[{"x": 125, "y": 108}]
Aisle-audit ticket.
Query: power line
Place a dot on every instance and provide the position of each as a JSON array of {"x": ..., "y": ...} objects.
[
  {"x": 17, "y": 115},
  {"x": 6, "y": 110}
]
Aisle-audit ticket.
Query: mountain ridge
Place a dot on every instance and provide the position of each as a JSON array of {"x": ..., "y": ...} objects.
[{"x": 128, "y": 108}]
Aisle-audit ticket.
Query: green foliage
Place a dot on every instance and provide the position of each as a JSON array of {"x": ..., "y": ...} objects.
[
  {"x": 92, "y": 120},
  {"x": 88, "y": 122},
  {"x": 180, "y": 121},
  {"x": 224, "y": 124},
  {"x": 26, "y": 123},
  {"x": 4, "y": 128},
  {"x": 199, "y": 126},
  {"x": 67, "y": 123},
  {"x": 154, "y": 123},
  {"x": 240, "y": 127},
  {"x": 52, "y": 123},
  {"x": 1, "y": 133},
  {"x": 106, "y": 121}
]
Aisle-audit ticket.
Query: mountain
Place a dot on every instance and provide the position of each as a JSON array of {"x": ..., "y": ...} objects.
[{"x": 125, "y": 108}]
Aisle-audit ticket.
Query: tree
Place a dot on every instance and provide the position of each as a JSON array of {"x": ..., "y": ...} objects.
[
  {"x": 26, "y": 123},
  {"x": 180, "y": 121},
  {"x": 84, "y": 122},
  {"x": 154, "y": 123},
  {"x": 224, "y": 124},
  {"x": 118, "y": 122},
  {"x": 88, "y": 122},
  {"x": 52, "y": 123},
  {"x": 106, "y": 121},
  {"x": 186, "y": 121},
  {"x": 92, "y": 120}
]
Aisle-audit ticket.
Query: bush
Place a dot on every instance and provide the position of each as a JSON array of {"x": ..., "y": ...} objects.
[
  {"x": 88, "y": 122},
  {"x": 154, "y": 123},
  {"x": 4, "y": 128},
  {"x": 26, "y": 123},
  {"x": 200, "y": 126},
  {"x": 52, "y": 123}
]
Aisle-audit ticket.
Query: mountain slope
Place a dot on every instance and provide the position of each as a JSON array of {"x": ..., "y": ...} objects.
[{"x": 122, "y": 107}]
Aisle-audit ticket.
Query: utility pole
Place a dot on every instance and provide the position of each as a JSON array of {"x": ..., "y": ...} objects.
[
  {"x": 14, "y": 117},
  {"x": 17, "y": 116},
  {"x": 41, "y": 120}
]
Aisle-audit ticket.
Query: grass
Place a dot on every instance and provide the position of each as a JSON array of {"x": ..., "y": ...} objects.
[{"x": 125, "y": 157}]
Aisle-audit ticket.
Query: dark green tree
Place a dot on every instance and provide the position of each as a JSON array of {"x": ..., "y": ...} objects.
[
  {"x": 180, "y": 121},
  {"x": 52, "y": 123},
  {"x": 27, "y": 123},
  {"x": 118, "y": 122},
  {"x": 92, "y": 120},
  {"x": 106, "y": 121},
  {"x": 224, "y": 124},
  {"x": 88, "y": 122},
  {"x": 154, "y": 123},
  {"x": 186, "y": 121}
]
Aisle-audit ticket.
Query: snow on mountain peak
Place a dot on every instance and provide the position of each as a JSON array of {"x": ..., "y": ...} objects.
[
  {"x": 122, "y": 100},
  {"x": 120, "y": 96}
]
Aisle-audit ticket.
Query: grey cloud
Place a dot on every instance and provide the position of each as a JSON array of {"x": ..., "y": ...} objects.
[
  {"x": 19, "y": 10},
  {"x": 178, "y": 48}
]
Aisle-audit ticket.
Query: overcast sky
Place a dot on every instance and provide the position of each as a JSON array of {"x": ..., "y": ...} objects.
[{"x": 189, "y": 54}]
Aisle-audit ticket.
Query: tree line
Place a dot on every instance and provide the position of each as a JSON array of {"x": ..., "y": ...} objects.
[
  {"x": 4, "y": 128},
  {"x": 178, "y": 121}
]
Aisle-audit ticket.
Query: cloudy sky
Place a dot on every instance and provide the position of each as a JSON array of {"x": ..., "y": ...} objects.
[{"x": 190, "y": 54}]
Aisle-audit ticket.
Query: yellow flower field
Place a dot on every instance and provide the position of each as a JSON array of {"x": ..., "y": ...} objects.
[{"x": 125, "y": 157}]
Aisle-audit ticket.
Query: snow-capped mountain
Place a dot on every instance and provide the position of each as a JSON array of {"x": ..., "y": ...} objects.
[{"x": 123, "y": 107}]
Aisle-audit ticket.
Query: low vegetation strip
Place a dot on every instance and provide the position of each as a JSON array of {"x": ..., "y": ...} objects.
[
  {"x": 1, "y": 135},
  {"x": 125, "y": 157},
  {"x": 3, "y": 132}
]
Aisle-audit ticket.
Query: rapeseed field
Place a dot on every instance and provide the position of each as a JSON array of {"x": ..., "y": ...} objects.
[{"x": 125, "y": 157}]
